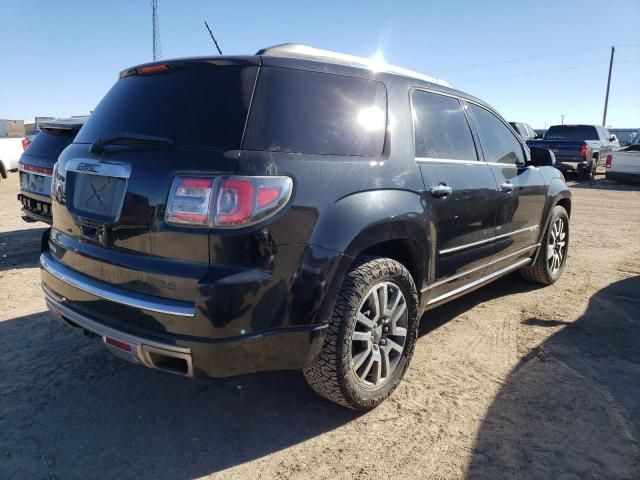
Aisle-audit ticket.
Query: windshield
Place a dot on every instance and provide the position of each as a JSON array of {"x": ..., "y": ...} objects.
[
  {"x": 571, "y": 132},
  {"x": 196, "y": 104}
]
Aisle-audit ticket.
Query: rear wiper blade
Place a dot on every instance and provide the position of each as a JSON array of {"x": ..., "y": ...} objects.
[{"x": 136, "y": 139}]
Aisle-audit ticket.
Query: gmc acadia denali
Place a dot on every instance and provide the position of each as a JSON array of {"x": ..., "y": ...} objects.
[{"x": 294, "y": 209}]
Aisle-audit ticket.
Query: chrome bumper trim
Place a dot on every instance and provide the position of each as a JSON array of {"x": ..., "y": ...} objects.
[
  {"x": 140, "y": 348},
  {"x": 114, "y": 294}
]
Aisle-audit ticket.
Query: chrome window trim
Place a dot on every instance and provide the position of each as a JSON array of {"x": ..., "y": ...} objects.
[
  {"x": 488, "y": 240},
  {"x": 112, "y": 293},
  {"x": 480, "y": 281},
  {"x": 475, "y": 269}
]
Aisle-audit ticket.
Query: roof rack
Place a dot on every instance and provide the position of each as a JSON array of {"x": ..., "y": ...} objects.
[{"x": 297, "y": 50}]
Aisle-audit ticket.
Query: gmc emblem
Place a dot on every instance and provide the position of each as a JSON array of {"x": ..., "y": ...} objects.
[{"x": 88, "y": 167}]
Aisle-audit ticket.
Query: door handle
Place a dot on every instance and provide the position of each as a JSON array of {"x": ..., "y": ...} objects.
[
  {"x": 506, "y": 187},
  {"x": 440, "y": 191}
]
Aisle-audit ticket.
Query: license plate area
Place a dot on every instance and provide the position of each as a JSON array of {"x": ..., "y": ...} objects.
[
  {"x": 96, "y": 191},
  {"x": 35, "y": 183}
]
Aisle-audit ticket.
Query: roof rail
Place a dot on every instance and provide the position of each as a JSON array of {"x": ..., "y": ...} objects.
[{"x": 297, "y": 50}]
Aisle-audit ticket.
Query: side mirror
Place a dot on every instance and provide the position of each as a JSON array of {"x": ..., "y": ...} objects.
[
  {"x": 613, "y": 138},
  {"x": 541, "y": 157},
  {"x": 538, "y": 136}
]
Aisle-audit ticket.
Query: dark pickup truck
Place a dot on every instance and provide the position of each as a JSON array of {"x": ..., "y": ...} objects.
[{"x": 577, "y": 148}]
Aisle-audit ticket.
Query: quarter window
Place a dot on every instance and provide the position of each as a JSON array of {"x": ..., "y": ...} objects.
[
  {"x": 440, "y": 127},
  {"x": 318, "y": 113},
  {"x": 499, "y": 144}
]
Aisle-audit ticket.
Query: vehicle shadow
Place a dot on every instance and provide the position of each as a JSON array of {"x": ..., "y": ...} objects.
[
  {"x": 21, "y": 247},
  {"x": 571, "y": 408},
  {"x": 68, "y": 409}
]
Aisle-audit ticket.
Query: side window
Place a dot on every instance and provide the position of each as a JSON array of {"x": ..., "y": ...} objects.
[
  {"x": 499, "y": 144},
  {"x": 440, "y": 127}
]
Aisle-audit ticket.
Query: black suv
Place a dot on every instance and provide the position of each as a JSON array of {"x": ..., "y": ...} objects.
[
  {"x": 295, "y": 209},
  {"x": 36, "y": 166}
]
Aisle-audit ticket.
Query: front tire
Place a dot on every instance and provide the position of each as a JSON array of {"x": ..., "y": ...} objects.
[
  {"x": 553, "y": 253},
  {"x": 371, "y": 335}
]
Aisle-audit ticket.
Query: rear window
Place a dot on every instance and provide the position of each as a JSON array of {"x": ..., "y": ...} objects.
[
  {"x": 570, "y": 132},
  {"x": 317, "y": 113},
  {"x": 49, "y": 143},
  {"x": 192, "y": 104}
]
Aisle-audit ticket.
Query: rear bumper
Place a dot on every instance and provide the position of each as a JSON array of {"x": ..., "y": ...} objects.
[
  {"x": 623, "y": 177},
  {"x": 275, "y": 349},
  {"x": 571, "y": 166},
  {"x": 36, "y": 207}
]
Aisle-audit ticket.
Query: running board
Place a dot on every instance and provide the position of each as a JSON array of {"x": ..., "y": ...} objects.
[{"x": 480, "y": 281}]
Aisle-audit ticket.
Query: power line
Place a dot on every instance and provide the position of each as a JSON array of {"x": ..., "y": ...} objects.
[
  {"x": 573, "y": 67},
  {"x": 536, "y": 57}
]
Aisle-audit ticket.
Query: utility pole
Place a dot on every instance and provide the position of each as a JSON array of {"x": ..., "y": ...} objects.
[
  {"x": 606, "y": 97},
  {"x": 562, "y": 118},
  {"x": 157, "y": 53}
]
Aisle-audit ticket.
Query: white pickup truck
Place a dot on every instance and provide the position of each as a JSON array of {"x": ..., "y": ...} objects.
[
  {"x": 623, "y": 165},
  {"x": 10, "y": 151}
]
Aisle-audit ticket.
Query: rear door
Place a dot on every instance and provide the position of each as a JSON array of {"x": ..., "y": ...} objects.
[
  {"x": 521, "y": 189},
  {"x": 461, "y": 192}
]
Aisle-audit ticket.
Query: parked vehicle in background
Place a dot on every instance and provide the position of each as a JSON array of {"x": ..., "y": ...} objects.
[
  {"x": 256, "y": 213},
  {"x": 524, "y": 130},
  {"x": 26, "y": 141},
  {"x": 623, "y": 165},
  {"x": 577, "y": 148},
  {"x": 10, "y": 151},
  {"x": 540, "y": 132},
  {"x": 625, "y": 136},
  {"x": 36, "y": 166}
]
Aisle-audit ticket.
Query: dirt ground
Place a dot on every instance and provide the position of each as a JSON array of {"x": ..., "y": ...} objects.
[{"x": 511, "y": 381}]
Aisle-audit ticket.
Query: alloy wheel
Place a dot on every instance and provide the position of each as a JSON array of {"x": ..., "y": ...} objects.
[
  {"x": 379, "y": 334},
  {"x": 557, "y": 246}
]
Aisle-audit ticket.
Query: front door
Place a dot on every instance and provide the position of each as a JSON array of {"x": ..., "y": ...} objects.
[
  {"x": 521, "y": 190},
  {"x": 461, "y": 196}
]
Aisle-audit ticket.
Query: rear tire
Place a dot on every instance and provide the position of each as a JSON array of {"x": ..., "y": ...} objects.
[
  {"x": 371, "y": 335},
  {"x": 590, "y": 175},
  {"x": 552, "y": 256}
]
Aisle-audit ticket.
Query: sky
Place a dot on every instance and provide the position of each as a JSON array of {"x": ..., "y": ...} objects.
[{"x": 531, "y": 60}]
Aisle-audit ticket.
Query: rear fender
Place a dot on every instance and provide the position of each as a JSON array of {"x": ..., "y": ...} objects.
[{"x": 362, "y": 220}]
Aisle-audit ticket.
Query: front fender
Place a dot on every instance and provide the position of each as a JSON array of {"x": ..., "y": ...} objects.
[{"x": 558, "y": 192}]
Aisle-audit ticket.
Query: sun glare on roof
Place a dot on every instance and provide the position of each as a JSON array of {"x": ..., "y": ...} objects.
[{"x": 377, "y": 62}]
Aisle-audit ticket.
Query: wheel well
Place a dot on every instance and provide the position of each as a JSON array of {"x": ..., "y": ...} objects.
[
  {"x": 406, "y": 252},
  {"x": 3, "y": 172},
  {"x": 566, "y": 203}
]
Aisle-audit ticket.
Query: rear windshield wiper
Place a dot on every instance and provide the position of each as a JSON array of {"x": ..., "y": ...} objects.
[{"x": 137, "y": 140}]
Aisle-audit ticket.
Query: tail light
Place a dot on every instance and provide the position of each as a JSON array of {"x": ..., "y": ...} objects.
[
  {"x": 25, "y": 144},
  {"x": 226, "y": 202},
  {"x": 54, "y": 181},
  {"x": 609, "y": 161},
  {"x": 584, "y": 151}
]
